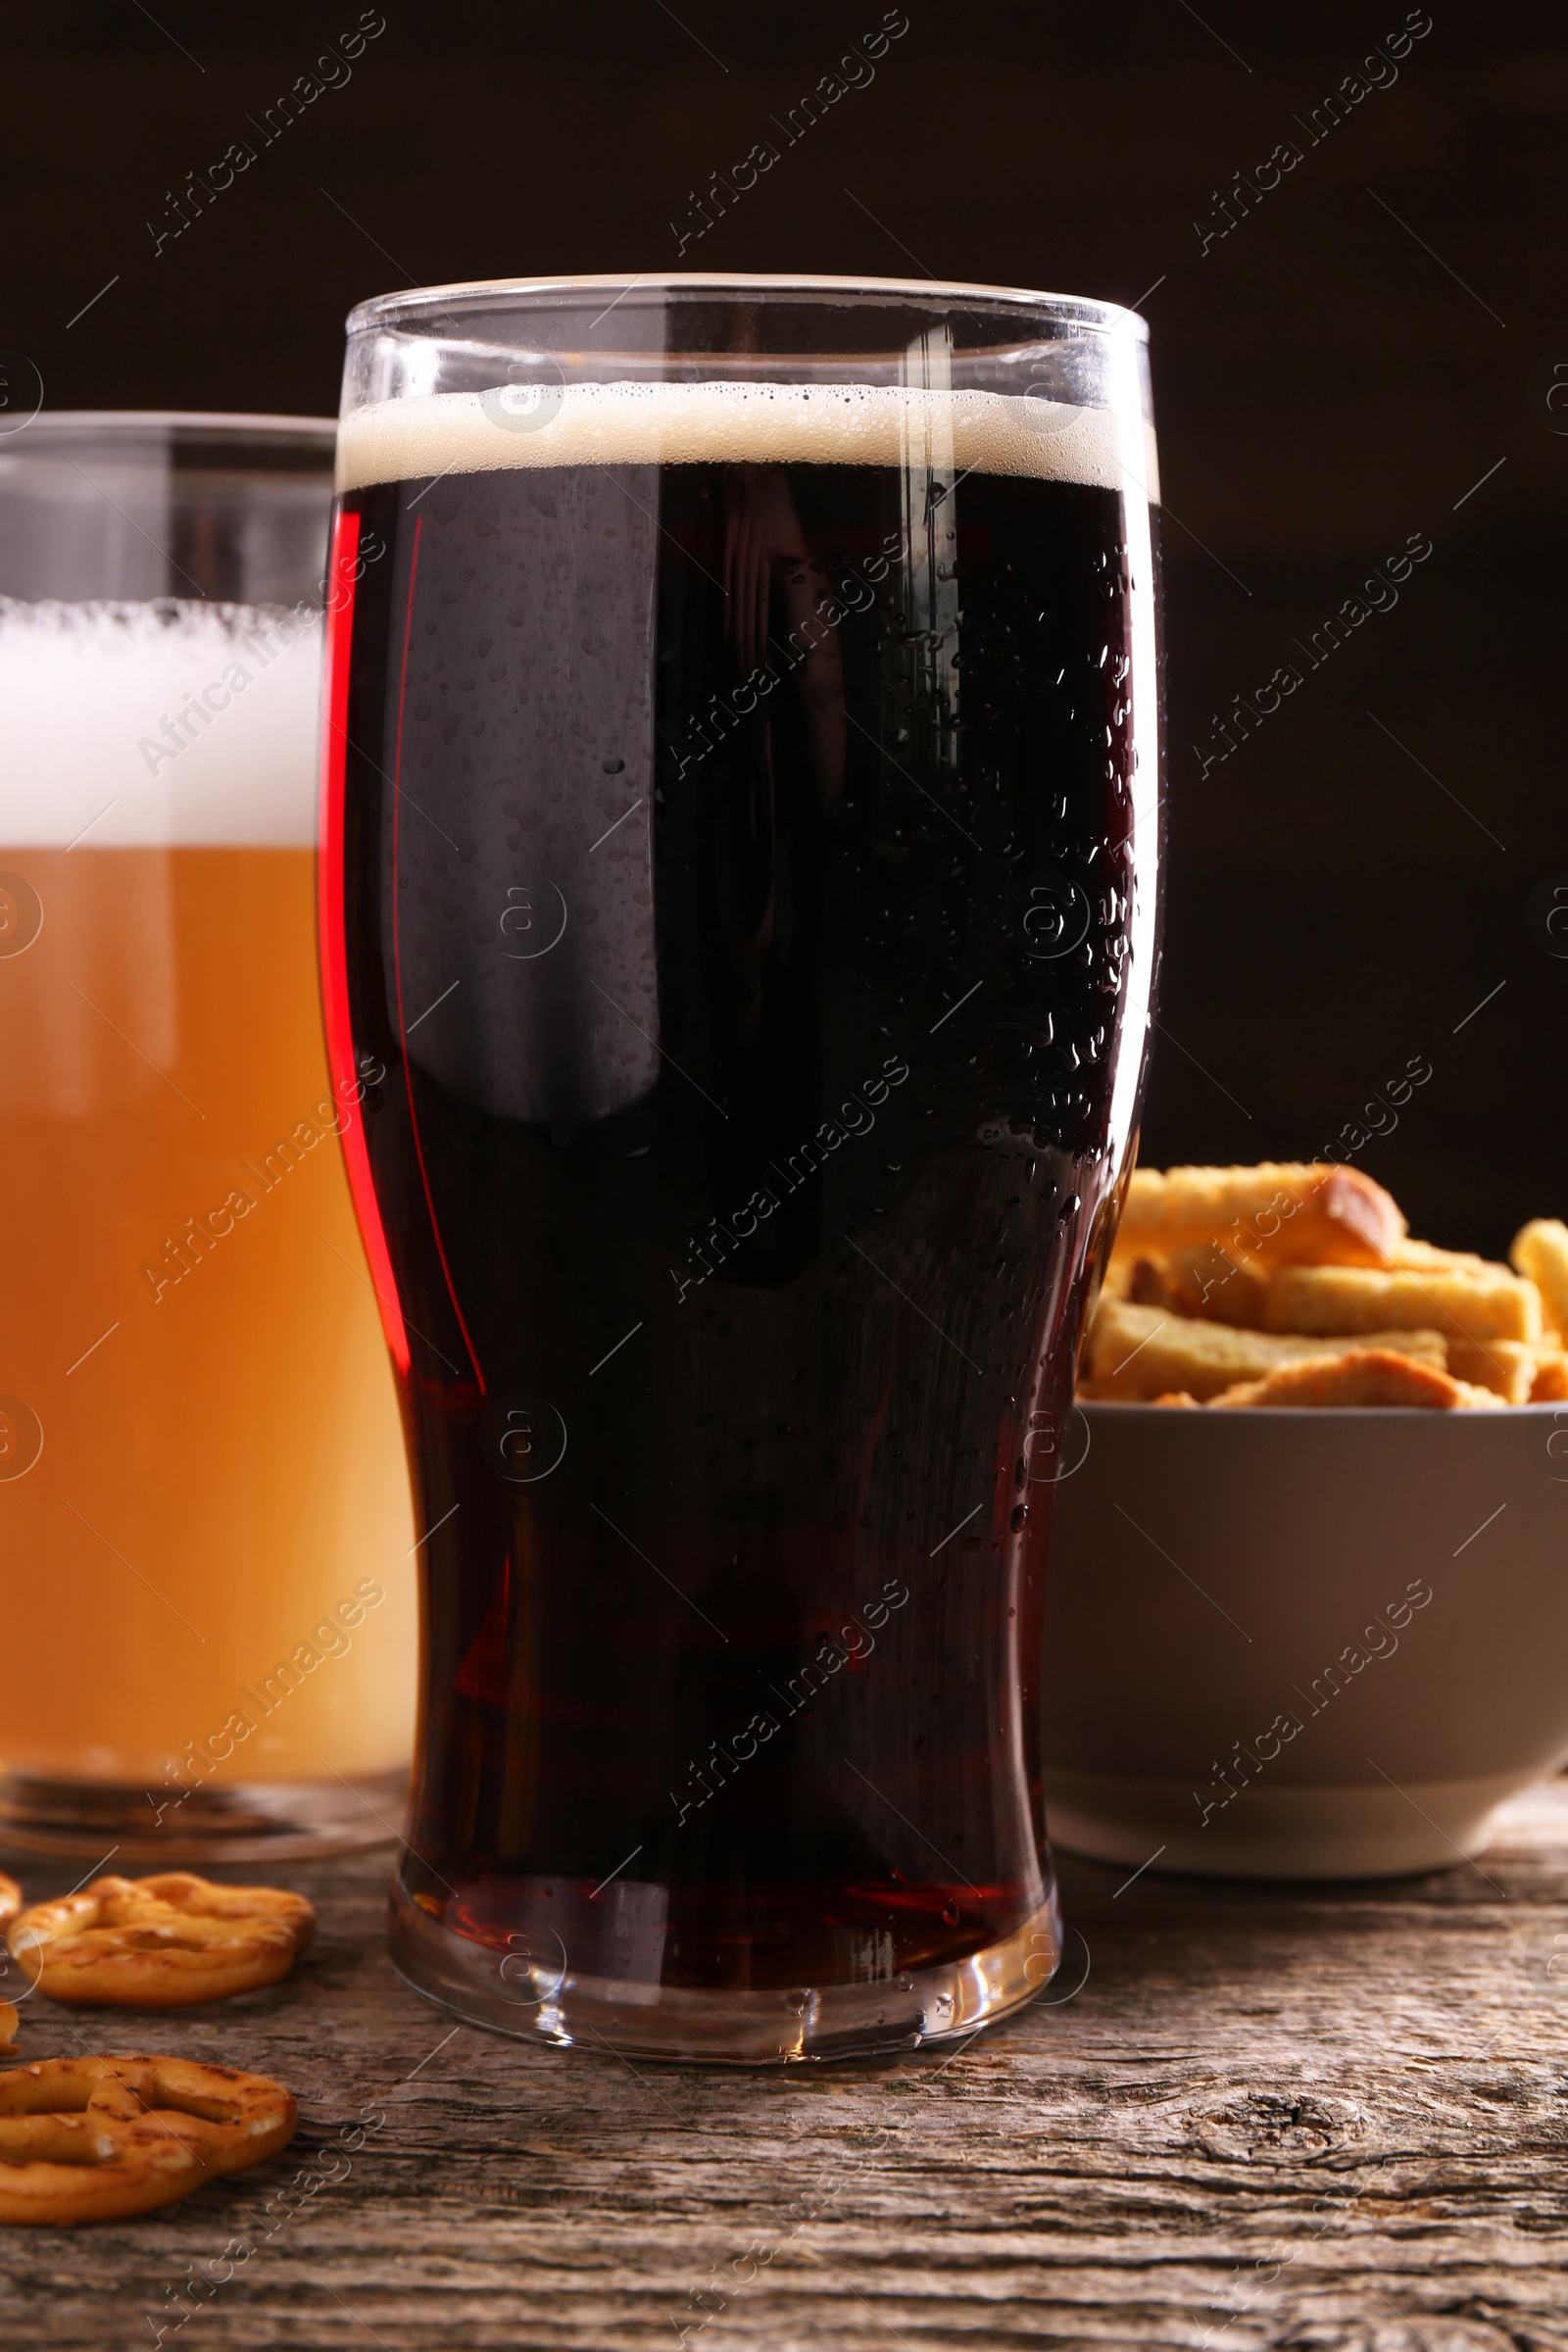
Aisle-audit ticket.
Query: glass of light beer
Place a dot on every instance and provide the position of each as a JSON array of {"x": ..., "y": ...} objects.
[
  {"x": 205, "y": 1590},
  {"x": 740, "y": 855}
]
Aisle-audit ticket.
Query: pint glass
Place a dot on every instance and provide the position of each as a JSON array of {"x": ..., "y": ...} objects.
[
  {"x": 205, "y": 1586},
  {"x": 740, "y": 858}
]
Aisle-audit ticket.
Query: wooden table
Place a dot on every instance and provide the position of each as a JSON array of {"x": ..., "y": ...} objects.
[{"x": 1310, "y": 2116}]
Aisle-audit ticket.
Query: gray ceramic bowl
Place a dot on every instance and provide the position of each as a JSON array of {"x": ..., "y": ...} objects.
[{"x": 1311, "y": 1644}]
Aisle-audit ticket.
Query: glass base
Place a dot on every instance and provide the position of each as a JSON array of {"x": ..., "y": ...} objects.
[
  {"x": 285, "y": 1820},
  {"x": 511, "y": 1994}
]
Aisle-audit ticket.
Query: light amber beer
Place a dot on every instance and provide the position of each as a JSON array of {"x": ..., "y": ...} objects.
[{"x": 206, "y": 1577}]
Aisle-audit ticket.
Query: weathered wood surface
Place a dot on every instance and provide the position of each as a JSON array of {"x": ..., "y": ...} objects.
[{"x": 1307, "y": 2117}]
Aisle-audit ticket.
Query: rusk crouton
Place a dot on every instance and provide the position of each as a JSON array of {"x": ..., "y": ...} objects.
[
  {"x": 1282, "y": 1213},
  {"x": 1366, "y": 1377},
  {"x": 1200, "y": 1279},
  {"x": 1505, "y": 1366},
  {"x": 1140, "y": 1353},
  {"x": 1466, "y": 1303},
  {"x": 1541, "y": 1253}
]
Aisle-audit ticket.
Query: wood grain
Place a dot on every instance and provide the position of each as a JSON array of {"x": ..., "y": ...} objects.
[{"x": 1300, "y": 2117}]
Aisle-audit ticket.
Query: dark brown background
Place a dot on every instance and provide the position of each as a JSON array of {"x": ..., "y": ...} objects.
[{"x": 1325, "y": 386}]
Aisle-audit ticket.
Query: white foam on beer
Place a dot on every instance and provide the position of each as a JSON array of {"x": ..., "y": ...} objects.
[
  {"x": 748, "y": 423},
  {"x": 169, "y": 724}
]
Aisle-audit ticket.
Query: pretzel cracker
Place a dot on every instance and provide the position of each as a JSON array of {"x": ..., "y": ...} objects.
[
  {"x": 95, "y": 2139},
  {"x": 163, "y": 1943}
]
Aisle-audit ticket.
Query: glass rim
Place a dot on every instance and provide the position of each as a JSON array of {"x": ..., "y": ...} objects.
[
  {"x": 1078, "y": 309},
  {"x": 237, "y": 425}
]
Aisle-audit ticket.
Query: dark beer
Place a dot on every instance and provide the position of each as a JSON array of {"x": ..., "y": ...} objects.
[{"x": 738, "y": 890}]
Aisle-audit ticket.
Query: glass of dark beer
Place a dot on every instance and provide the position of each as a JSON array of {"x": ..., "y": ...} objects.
[{"x": 739, "y": 909}]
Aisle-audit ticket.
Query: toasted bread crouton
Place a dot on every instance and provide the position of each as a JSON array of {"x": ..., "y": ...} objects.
[
  {"x": 1282, "y": 1213},
  {"x": 1540, "y": 1253},
  {"x": 1550, "y": 1384},
  {"x": 1140, "y": 1353},
  {"x": 1505, "y": 1366},
  {"x": 1467, "y": 1304},
  {"x": 1202, "y": 1280},
  {"x": 1365, "y": 1377},
  {"x": 1116, "y": 1281},
  {"x": 1145, "y": 1283}
]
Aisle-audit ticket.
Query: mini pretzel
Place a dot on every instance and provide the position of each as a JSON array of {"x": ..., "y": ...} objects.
[
  {"x": 165, "y": 1942},
  {"x": 10, "y": 1905},
  {"x": 92, "y": 2140}
]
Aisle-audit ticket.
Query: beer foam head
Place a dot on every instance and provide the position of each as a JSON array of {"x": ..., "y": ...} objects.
[
  {"x": 169, "y": 724},
  {"x": 552, "y": 423}
]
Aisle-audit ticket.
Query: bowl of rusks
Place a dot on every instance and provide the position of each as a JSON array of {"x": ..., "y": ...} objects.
[{"x": 1307, "y": 1601}]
